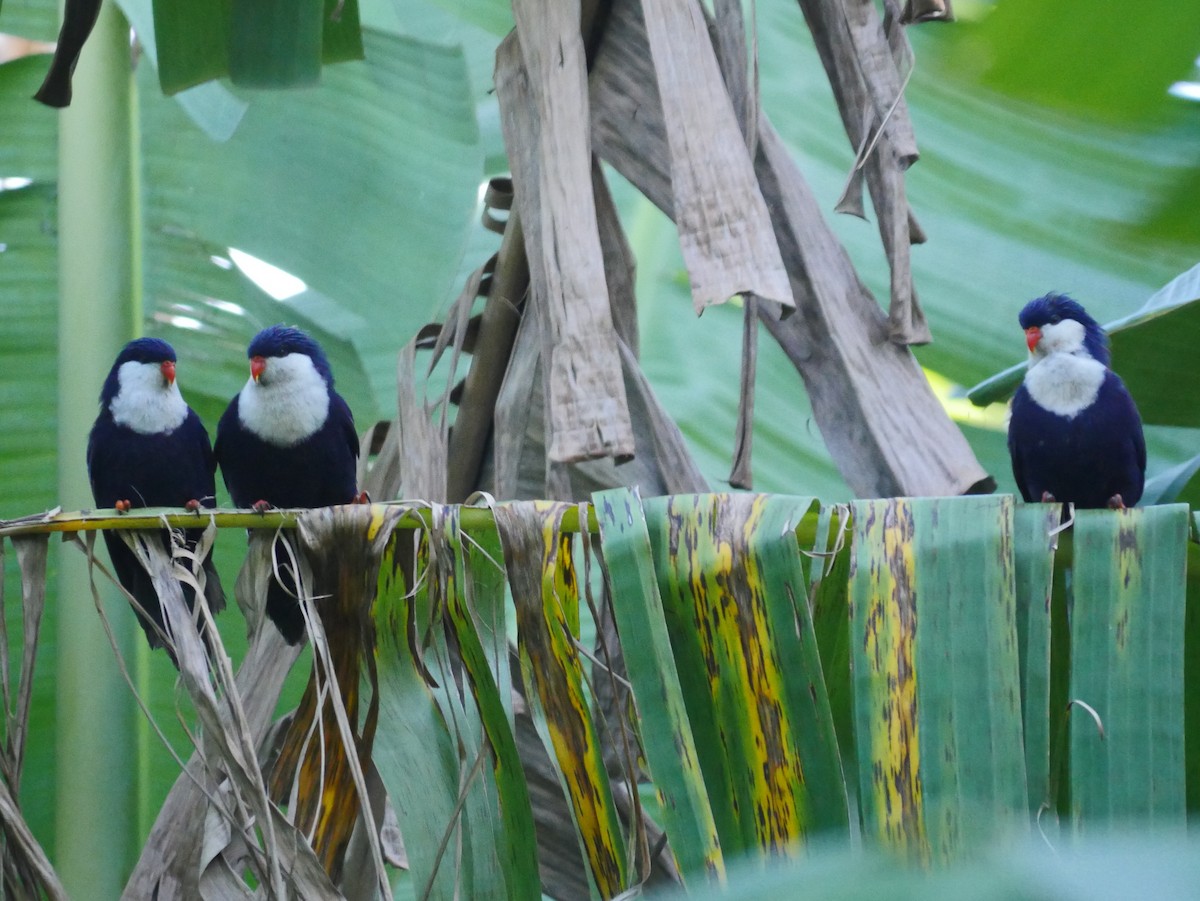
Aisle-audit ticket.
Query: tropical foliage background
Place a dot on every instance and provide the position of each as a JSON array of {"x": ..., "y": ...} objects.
[{"x": 367, "y": 189}]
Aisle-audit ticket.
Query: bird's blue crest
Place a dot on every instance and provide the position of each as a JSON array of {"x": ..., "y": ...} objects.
[
  {"x": 281, "y": 340},
  {"x": 140, "y": 350},
  {"x": 1055, "y": 307}
]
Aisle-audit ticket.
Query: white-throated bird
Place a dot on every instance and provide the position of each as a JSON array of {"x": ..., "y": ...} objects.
[
  {"x": 287, "y": 439},
  {"x": 1075, "y": 435},
  {"x": 148, "y": 448}
]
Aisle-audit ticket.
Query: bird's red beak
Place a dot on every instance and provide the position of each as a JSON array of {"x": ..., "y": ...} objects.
[
  {"x": 1033, "y": 335},
  {"x": 258, "y": 365},
  {"x": 168, "y": 371}
]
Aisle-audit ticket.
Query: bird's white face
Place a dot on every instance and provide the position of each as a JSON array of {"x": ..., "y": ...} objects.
[
  {"x": 286, "y": 402},
  {"x": 148, "y": 400},
  {"x": 1065, "y": 336}
]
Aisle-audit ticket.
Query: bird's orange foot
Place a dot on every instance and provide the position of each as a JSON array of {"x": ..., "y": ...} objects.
[
  {"x": 192, "y": 506},
  {"x": 261, "y": 506},
  {"x": 122, "y": 506},
  {"x": 1047, "y": 497},
  {"x": 1116, "y": 502},
  {"x": 362, "y": 498}
]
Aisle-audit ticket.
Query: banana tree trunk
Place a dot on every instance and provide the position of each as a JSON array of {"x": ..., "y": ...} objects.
[{"x": 96, "y": 801}]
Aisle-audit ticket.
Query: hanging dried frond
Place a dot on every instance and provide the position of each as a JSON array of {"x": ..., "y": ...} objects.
[
  {"x": 724, "y": 226},
  {"x": 868, "y": 63},
  {"x": 541, "y": 81},
  {"x": 884, "y": 427}
]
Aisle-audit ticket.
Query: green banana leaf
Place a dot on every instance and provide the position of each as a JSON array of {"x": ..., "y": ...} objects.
[
  {"x": 959, "y": 617},
  {"x": 1026, "y": 43},
  {"x": 1127, "y": 667},
  {"x": 1128, "y": 864},
  {"x": 670, "y": 747},
  {"x": 1035, "y": 542},
  {"x": 735, "y": 599},
  {"x": 936, "y": 674}
]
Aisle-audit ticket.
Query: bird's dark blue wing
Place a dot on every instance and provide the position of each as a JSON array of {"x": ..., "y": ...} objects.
[
  {"x": 233, "y": 456},
  {"x": 224, "y": 424},
  {"x": 1021, "y": 442},
  {"x": 99, "y": 466},
  {"x": 339, "y": 411},
  {"x": 1126, "y": 439},
  {"x": 191, "y": 452}
]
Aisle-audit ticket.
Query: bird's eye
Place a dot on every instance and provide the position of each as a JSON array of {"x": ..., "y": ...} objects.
[{"x": 1055, "y": 319}]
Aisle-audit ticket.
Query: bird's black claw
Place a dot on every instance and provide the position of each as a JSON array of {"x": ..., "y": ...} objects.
[
  {"x": 260, "y": 506},
  {"x": 1048, "y": 498},
  {"x": 192, "y": 506},
  {"x": 362, "y": 498},
  {"x": 122, "y": 506},
  {"x": 1116, "y": 502}
]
